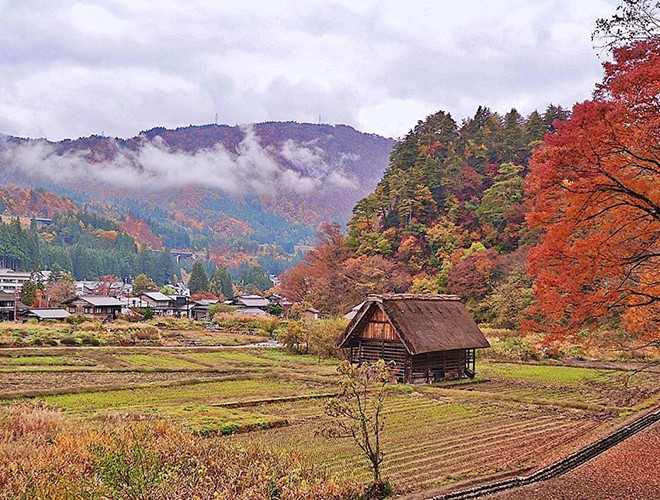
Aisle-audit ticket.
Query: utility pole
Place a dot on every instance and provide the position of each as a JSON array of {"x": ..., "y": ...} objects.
[{"x": 15, "y": 304}]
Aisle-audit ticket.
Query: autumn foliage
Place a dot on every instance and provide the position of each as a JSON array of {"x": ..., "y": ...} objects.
[
  {"x": 333, "y": 278},
  {"x": 595, "y": 189}
]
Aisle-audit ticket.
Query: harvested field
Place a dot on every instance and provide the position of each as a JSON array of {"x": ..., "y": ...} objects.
[
  {"x": 449, "y": 441},
  {"x": 514, "y": 418},
  {"x": 158, "y": 332},
  {"x": 31, "y": 383},
  {"x": 629, "y": 471}
]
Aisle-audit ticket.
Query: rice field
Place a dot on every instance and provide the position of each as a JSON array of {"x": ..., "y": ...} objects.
[{"x": 513, "y": 417}]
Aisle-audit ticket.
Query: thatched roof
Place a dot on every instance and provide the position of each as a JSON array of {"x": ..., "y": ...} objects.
[{"x": 424, "y": 323}]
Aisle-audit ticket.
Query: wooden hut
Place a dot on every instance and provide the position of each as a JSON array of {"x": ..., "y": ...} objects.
[{"x": 429, "y": 337}]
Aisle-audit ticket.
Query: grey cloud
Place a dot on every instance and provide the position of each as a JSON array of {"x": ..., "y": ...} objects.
[
  {"x": 74, "y": 68},
  {"x": 154, "y": 166}
]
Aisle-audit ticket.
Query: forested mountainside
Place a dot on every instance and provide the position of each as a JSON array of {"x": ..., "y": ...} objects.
[
  {"x": 242, "y": 196},
  {"x": 447, "y": 216},
  {"x": 548, "y": 223}
]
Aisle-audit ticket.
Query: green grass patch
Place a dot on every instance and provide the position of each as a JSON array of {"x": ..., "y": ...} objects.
[
  {"x": 555, "y": 375},
  {"x": 207, "y": 420},
  {"x": 221, "y": 356},
  {"x": 92, "y": 402},
  {"x": 161, "y": 361}
]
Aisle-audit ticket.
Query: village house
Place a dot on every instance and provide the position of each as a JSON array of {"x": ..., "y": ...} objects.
[
  {"x": 182, "y": 306},
  {"x": 12, "y": 281},
  {"x": 179, "y": 306},
  {"x": 47, "y": 314},
  {"x": 309, "y": 315},
  {"x": 284, "y": 303},
  {"x": 159, "y": 303},
  {"x": 112, "y": 289},
  {"x": 250, "y": 304},
  {"x": 429, "y": 337},
  {"x": 200, "y": 310},
  {"x": 10, "y": 307},
  {"x": 96, "y": 306}
]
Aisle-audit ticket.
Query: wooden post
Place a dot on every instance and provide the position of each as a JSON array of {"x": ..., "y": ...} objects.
[{"x": 428, "y": 367}]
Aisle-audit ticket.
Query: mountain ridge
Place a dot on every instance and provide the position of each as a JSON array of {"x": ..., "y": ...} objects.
[{"x": 232, "y": 188}]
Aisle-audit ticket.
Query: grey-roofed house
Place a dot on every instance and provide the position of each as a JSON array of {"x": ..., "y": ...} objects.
[
  {"x": 159, "y": 303},
  {"x": 200, "y": 309},
  {"x": 428, "y": 337},
  {"x": 48, "y": 314},
  {"x": 251, "y": 301},
  {"x": 97, "y": 306},
  {"x": 255, "y": 311},
  {"x": 251, "y": 304}
]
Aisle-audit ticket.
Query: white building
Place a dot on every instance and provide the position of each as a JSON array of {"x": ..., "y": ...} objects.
[{"x": 12, "y": 281}]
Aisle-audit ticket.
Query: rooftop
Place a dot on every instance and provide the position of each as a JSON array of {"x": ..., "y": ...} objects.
[
  {"x": 424, "y": 323},
  {"x": 99, "y": 300}
]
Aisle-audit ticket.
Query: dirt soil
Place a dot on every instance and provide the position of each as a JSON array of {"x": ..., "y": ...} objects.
[{"x": 629, "y": 471}]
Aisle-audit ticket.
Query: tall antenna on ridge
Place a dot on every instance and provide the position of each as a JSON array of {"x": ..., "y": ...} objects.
[{"x": 216, "y": 119}]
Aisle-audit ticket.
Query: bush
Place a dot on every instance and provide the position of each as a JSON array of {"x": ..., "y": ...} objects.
[
  {"x": 71, "y": 341},
  {"x": 318, "y": 338},
  {"x": 220, "y": 308},
  {"x": 296, "y": 337},
  {"x": 89, "y": 340},
  {"x": 247, "y": 323},
  {"x": 514, "y": 348},
  {"x": 76, "y": 319}
]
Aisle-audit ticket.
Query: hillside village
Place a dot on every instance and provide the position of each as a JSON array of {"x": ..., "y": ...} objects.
[{"x": 111, "y": 300}]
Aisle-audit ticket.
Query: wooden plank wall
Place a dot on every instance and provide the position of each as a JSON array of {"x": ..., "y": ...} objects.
[
  {"x": 437, "y": 366},
  {"x": 378, "y": 327},
  {"x": 371, "y": 350}
]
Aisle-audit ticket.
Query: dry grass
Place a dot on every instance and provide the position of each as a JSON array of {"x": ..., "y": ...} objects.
[{"x": 45, "y": 456}]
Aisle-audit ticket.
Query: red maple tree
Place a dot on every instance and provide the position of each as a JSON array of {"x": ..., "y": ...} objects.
[{"x": 595, "y": 191}]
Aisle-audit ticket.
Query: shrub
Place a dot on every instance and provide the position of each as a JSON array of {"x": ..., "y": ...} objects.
[
  {"x": 296, "y": 337},
  {"x": 220, "y": 308},
  {"x": 513, "y": 348},
  {"x": 76, "y": 319},
  {"x": 247, "y": 323},
  {"x": 318, "y": 338},
  {"x": 71, "y": 341},
  {"x": 89, "y": 340}
]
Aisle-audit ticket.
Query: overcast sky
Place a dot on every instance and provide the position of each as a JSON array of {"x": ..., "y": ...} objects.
[{"x": 76, "y": 68}]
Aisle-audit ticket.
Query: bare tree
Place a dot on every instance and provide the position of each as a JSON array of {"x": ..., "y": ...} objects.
[
  {"x": 358, "y": 413},
  {"x": 633, "y": 20}
]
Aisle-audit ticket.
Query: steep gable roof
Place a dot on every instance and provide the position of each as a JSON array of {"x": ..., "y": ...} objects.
[{"x": 424, "y": 323}]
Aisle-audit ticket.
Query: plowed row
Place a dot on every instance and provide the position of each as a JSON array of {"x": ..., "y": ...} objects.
[{"x": 430, "y": 441}]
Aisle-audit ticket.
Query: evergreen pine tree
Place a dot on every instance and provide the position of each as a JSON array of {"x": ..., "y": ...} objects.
[{"x": 199, "y": 281}]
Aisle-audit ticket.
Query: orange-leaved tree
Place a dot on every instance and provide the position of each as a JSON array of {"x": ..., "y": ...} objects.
[{"x": 595, "y": 190}]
